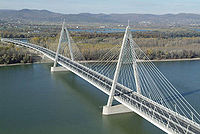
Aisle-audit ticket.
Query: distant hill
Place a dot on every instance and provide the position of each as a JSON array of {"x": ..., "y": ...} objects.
[{"x": 27, "y": 15}]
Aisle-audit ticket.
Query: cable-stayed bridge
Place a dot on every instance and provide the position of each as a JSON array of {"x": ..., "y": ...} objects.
[{"x": 126, "y": 75}]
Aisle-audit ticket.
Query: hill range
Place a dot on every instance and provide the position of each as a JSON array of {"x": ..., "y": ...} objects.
[{"x": 27, "y": 16}]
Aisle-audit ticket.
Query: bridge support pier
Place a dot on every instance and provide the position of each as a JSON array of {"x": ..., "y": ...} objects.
[
  {"x": 58, "y": 69},
  {"x": 117, "y": 109}
]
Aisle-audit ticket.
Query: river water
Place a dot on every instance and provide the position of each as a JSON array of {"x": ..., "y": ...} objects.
[
  {"x": 35, "y": 101},
  {"x": 106, "y": 30}
]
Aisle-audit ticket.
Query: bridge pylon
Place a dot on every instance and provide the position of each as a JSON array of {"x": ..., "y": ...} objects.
[
  {"x": 64, "y": 32},
  {"x": 126, "y": 46}
]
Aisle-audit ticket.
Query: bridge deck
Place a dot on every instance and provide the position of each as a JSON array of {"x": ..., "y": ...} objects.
[{"x": 166, "y": 119}]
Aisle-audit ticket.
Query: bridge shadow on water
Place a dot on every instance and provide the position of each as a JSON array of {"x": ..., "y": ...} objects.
[{"x": 190, "y": 92}]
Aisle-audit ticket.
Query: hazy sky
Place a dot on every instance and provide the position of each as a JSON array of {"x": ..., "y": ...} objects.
[{"x": 106, "y": 6}]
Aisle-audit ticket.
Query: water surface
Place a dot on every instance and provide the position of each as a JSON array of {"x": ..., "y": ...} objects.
[
  {"x": 106, "y": 30},
  {"x": 35, "y": 101}
]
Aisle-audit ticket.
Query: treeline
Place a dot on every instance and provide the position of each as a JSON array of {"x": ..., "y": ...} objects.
[
  {"x": 9, "y": 54},
  {"x": 47, "y": 31},
  {"x": 92, "y": 46},
  {"x": 139, "y": 34},
  {"x": 174, "y": 54},
  {"x": 160, "y": 44}
]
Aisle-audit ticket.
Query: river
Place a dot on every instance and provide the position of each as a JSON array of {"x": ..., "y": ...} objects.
[
  {"x": 106, "y": 30},
  {"x": 35, "y": 101}
]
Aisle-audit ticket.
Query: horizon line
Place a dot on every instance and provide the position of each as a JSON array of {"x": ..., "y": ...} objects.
[{"x": 99, "y": 12}]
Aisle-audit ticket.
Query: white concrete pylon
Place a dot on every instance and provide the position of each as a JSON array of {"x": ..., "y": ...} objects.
[
  {"x": 127, "y": 40},
  {"x": 59, "y": 44},
  {"x": 62, "y": 33},
  {"x": 117, "y": 109},
  {"x": 112, "y": 91}
]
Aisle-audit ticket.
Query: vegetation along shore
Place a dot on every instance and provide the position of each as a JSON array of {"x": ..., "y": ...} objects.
[{"x": 159, "y": 44}]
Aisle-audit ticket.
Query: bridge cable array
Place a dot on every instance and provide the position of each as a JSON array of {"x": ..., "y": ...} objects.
[
  {"x": 152, "y": 83},
  {"x": 68, "y": 47}
]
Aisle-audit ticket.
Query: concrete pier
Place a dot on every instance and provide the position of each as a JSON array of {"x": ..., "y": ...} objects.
[
  {"x": 117, "y": 109},
  {"x": 58, "y": 69}
]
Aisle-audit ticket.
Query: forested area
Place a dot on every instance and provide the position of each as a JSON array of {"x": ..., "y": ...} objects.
[
  {"x": 9, "y": 54},
  {"x": 155, "y": 47},
  {"x": 157, "y": 44}
]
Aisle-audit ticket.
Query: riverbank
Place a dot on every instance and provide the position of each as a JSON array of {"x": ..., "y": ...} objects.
[
  {"x": 168, "y": 60},
  {"x": 162, "y": 60},
  {"x": 17, "y": 64}
]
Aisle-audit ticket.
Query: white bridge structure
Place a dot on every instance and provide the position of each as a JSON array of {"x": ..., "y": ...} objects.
[{"x": 129, "y": 77}]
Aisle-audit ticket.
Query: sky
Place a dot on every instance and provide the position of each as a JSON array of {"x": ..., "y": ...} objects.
[{"x": 106, "y": 6}]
